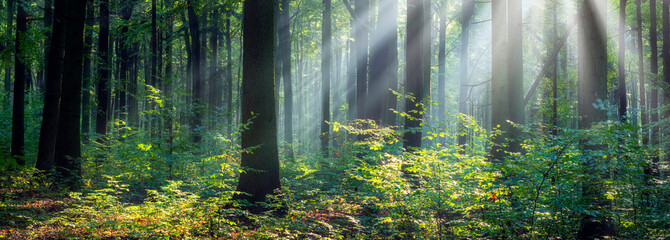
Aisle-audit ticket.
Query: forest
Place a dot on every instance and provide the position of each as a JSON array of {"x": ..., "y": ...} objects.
[{"x": 329, "y": 119}]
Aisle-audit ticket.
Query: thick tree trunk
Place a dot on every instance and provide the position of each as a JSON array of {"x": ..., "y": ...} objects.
[
  {"x": 258, "y": 103},
  {"x": 666, "y": 69},
  {"x": 47, "y": 142},
  {"x": 18, "y": 125},
  {"x": 389, "y": 15},
  {"x": 325, "y": 76},
  {"x": 653, "y": 98},
  {"x": 104, "y": 74},
  {"x": 466, "y": 14},
  {"x": 194, "y": 26},
  {"x": 285, "y": 53},
  {"x": 592, "y": 74},
  {"x": 68, "y": 142},
  {"x": 361, "y": 19},
  {"x": 414, "y": 73}
]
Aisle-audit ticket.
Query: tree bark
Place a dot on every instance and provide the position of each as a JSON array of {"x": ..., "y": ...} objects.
[
  {"x": 653, "y": 99},
  {"x": 285, "y": 53},
  {"x": 261, "y": 175},
  {"x": 500, "y": 86},
  {"x": 441, "y": 63},
  {"x": 87, "y": 75},
  {"x": 18, "y": 124},
  {"x": 104, "y": 86},
  {"x": 414, "y": 73},
  {"x": 326, "y": 49},
  {"x": 640, "y": 68},
  {"x": 229, "y": 73},
  {"x": 197, "y": 72},
  {"x": 47, "y": 142},
  {"x": 515, "y": 72},
  {"x": 68, "y": 142},
  {"x": 623, "y": 103},
  {"x": 361, "y": 20},
  {"x": 467, "y": 10}
]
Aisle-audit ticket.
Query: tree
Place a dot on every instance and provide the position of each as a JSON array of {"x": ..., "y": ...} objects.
[
  {"x": 640, "y": 66},
  {"x": 442, "y": 62},
  {"x": 467, "y": 9},
  {"x": 325, "y": 76},
  {"x": 515, "y": 72},
  {"x": 285, "y": 53},
  {"x": 361, "y": 38},
  {"x": 18, "y": 125},
  {"x": 8, "y": 19},
  {"x": 500, "y": 85},
  {"x": 623, "y": 103},
  {"x": 68, "y": 142},
  {"x": 47, "y": 142},
  {"x": 88, "y": 76},
  {"x": 261, "y": 162},
  {"x": 414, "y": 73},
  {"x": 104, "y": 76},
  {"x": 388, "y": 18},
  {"x": 198, "y": 84},
  {"x": 592, "y": 86},
  {"x": 653, "y": 99}
]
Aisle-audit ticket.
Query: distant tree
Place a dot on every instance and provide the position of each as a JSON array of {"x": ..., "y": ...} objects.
[
  {"x": 198, "y": 82},
  {"x": 653, "y": 98},
  {"x": 68, "y": 141},
  {"x": 623, "y": 103},
  {"x": 261, "y": 163},
  {"x": 414, "y": 73},
  {"x": 215, "y": 77},
  {"x": 467, "y": 9},
  {"x": 666, "y": 67},
  {"x": 8, "y": 21},
  {"x": 640, "y": 66},
  {"x": 47, "y": 142},
  {"x": 326, "y": 49},
  {"x": 87, "y": 73},
  {"x": 361, "y": 38},
  {"x": 383, "y": 63},
  {"x": 18, "y": 124},
  {"x": 442, "y": 62},
  {"x": 285, "y": 53},
  {"x": 104, "y": 73}
]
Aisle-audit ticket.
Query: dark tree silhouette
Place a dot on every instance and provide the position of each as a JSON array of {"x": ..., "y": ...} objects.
[
  {"x": 326, "y": 49},
  {"x": 18, "y": 125},
  {"x": 414, "y": 73}
]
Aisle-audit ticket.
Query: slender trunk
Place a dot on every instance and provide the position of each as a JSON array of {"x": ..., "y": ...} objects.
[
  {"x": 640, "y": 68},
  {"x": 466, "y": 14},
  {"x": 351, "y": 72},
  {"x": 653, "y": 99},
  {"x": 389, "y": 16},
  {"x": 623, "y": 103},
  {"x": 216, "y": 82},
  {"x": 47, "y": 142},
  {"x": 87, "y": 73},
  {"x": 515, "y": 72},
  {"x": 9, "y": 20},
  {"x": 194, "y": 26},
  {"x": 441, "y": 63},
  {"x": 18, "y": 127},
  {"x": 500, "y": 86},
  {"x": 361, "y": 39},
  {"x": 104, "y": 86},
  {"x": 229, "y": 72},
  {"x": 554, "y": 75},
  {"x": 325, "y": 76},
  {"x": 285, "y": 52}
]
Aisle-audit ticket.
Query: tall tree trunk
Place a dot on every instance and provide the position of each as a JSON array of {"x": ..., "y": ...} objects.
[
  {"x": 216, "y": 82},
  {"x": 258, "y": 103},
  {"x": 87, "y": 74},
  {"x": 326, "y": 49},
  {"x": 554, "y": 73},
  {"x": 18, "y": 127},
  {"x": 125, "y": 59},
  {"x": 9, "y": 20},
  {"x": 414, "y": 73},
  {"x": 361, "y": 19},
  {"x": 47, "y": 143},
  {"x": 229, "y": 72},
  {"x": 467, "y": 9},
  {"x": 104, "y": 86},
  {"x": 389, "y": 14},
  {"x": 351, "y": 72},
  {"x": 623, "y": 103},
  {"x": 48, "y": 23},
  {"x": 515, "y": 72},
  {"x": 653, "y": 99},
  {"x": 666, "y": 68},
  {"x": 500, "y": 85},
  {"x": 285, "y": 53},
  {"x": 68, "y": 142},
  {"x": 441, "y": 63},
  {"x": 592, "y": 74},
  {"x": 640, "y": 68},
  {"x": 194, "y": 26}
]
